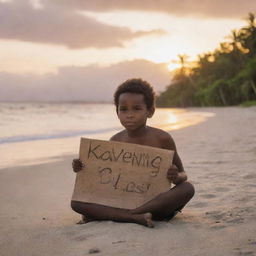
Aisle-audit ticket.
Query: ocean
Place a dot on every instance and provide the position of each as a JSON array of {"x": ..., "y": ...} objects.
[{"x": 33, "y": 133}]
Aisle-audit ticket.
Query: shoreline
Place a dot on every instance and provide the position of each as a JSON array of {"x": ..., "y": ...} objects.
[
  {"x": 35, "y": 146},
  {"x": 219, "y": 156}
]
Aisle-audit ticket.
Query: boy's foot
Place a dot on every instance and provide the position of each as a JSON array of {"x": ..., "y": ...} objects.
[
  {"x": 84, "y": 220},
  {"x": 143, "y": 219},
  {"x": 146, "y": 220}
]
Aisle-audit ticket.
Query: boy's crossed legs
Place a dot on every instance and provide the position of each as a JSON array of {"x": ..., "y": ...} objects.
[{"x": 159, "y": 208}]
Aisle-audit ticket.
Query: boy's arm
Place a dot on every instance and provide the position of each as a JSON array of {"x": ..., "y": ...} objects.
[
  {"x": 175, "y": 176},
  {"x": 176, "y": 173}
]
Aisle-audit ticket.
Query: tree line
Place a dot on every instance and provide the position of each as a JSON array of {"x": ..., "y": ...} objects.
[{"x": 224, "y": 77}]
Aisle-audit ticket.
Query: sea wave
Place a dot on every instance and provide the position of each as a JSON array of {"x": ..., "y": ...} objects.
[{"x": 23, "y": 138}]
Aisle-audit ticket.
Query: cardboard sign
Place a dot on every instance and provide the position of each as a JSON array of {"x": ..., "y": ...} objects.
[{"x": 119, "y": 174}]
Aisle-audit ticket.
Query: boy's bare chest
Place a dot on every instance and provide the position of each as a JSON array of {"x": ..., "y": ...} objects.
[{"x": 151, "y": 141}]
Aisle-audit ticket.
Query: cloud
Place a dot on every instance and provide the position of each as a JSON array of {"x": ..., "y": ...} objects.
[
  {"x": 91, "y": 83},
  {"x": 205, "y": 8},
  {"x": 19, "y": 20}
]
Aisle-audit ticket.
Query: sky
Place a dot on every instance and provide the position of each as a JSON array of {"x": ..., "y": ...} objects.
[{"x": 81, "y": 50}]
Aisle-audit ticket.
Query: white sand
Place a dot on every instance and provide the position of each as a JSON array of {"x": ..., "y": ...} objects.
[{"x": 219, "y": 156}]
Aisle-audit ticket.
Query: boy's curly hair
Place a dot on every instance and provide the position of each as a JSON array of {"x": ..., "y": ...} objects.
[{"x": 136, "y": 85}]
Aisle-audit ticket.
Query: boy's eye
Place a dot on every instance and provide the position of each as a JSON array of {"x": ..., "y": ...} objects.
[{"x": 137, "y": 108}]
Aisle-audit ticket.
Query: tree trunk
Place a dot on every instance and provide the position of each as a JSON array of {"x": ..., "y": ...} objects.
[
  {"x": 253, "y": 86},
  {"x": 224, "y": 102}
]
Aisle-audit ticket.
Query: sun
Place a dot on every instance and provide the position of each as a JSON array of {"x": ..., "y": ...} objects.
[{"x": 172, "y": 66}]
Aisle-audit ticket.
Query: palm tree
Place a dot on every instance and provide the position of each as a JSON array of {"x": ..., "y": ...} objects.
[
  {"x": 235, "y": 37},
  {"x": 248, "y": 35},
  {"x": 183, "y": 61},
  {"x": 251, "y": 20}
]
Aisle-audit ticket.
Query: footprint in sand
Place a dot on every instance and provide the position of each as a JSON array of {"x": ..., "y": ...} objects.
[
  {"x": 218, "y": 227},
  {"x": 218, "y": 219},
  {"x": 199, "y": 204},
  {"x": 242, "y": 252},
  {"x": 208, "y": 196},
  {"x": 222, "y": 189},
  {"x": 250, "y": 176},
  {"x": 216, "y": 215},
  {"x": 81, "y": 238},
  {"x": 251, "y": 185},
  {"x": 251, "y": 242},
  {"x": 236, "y": 220}
]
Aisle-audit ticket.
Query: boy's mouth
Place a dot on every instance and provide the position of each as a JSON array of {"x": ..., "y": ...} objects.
[{"x": 130, "y": 123}]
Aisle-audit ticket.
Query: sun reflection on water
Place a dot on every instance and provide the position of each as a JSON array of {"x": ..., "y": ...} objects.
[{"x": 173, "y": 119}]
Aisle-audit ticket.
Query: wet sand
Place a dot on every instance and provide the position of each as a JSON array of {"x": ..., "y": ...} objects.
[{"x": 219, "y": 156}]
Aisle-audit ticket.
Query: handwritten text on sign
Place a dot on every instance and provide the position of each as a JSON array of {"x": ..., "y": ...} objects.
[{"x": 121, "y": 174}]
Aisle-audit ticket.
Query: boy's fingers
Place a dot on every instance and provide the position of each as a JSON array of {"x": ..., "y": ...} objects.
[
  {"x": 172, "y": 177},
  {"x": 77, "y": 165},
  {"x": 77, "y": 161},
  {"x": 173, "y": 167},
  {"x": 172, "y": 173}
]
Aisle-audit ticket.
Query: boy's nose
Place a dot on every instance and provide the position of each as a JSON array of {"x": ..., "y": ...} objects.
[{"x": 130, "y": 114}]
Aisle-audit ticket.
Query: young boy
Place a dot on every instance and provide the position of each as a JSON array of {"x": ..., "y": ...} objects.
[{"x": 134, "y": 101}]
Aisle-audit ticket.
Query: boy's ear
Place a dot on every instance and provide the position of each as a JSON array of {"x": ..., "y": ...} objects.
[{"x": 151, "y": 112}]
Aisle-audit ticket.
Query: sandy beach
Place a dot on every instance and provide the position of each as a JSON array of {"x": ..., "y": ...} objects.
[{"x": 219, "y": 156}]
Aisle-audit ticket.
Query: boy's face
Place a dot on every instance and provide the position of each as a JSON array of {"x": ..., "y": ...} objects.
[{"x": 132, "y": 111}]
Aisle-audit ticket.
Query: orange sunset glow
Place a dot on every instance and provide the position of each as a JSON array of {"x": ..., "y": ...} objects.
[{"x": 50, "y": 42}]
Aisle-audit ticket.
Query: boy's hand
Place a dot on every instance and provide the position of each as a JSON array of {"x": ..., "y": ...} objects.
[
  {"x": 77, "y": 165},
  {"x": 173, "y": 173}
]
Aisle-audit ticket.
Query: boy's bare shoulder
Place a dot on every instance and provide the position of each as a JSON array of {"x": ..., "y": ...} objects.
[
  {"x": 163, "y": 137},
  {"x": 118, "y": 136},
  {"x": 159, "y": 133}
]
